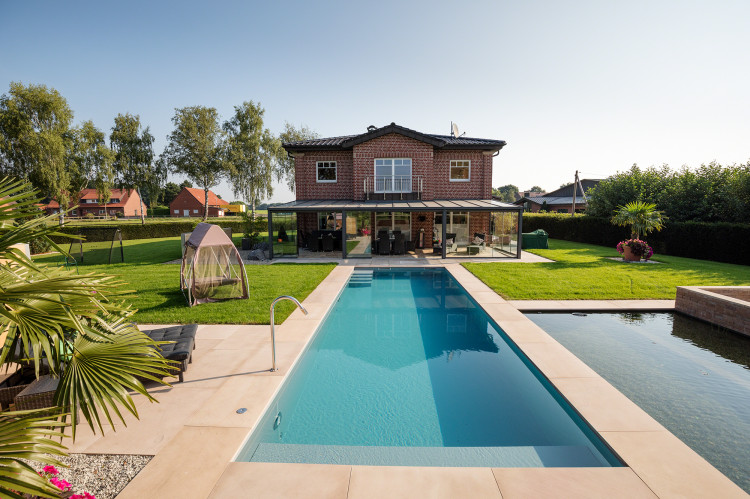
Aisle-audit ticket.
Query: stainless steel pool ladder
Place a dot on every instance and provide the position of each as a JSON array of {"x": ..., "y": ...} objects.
[{"x": 273, "y": 328}]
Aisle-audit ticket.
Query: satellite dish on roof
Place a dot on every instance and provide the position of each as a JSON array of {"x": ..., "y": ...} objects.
[{"x": 454, "y": 130}]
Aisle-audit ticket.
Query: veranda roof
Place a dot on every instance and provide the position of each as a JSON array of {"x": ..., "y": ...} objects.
[{"x": 394, "y": 205}]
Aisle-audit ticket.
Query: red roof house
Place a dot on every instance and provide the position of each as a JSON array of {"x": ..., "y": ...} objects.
[
  {"x": 189, "y": 203},
  {"x": 122, "y": 202}
]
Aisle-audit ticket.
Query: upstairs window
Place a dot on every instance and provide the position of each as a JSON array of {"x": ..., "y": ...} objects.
[
  {"x": 393, "y": 175},
  {"x": 460, "y": 170},
  {"x": 326, "y": 171}
]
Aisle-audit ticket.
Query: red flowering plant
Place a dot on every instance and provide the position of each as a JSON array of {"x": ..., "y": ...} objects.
[
  {"x": 50, "y": 473},
  {"x": 638, "y": 247}
]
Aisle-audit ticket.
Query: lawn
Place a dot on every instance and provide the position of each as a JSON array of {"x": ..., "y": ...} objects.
[
  {"x": 583, "y": 272},
  {"x": 157, "y": 294}
]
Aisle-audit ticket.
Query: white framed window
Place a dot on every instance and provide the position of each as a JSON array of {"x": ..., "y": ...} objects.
[
  {"x": 326, "y": 171},
  {"x": 176, "y": 212},
  {"x": 195, "y": 211},
  {"x": 393, "y": 175},
  {"x": 460, "y": 170}
]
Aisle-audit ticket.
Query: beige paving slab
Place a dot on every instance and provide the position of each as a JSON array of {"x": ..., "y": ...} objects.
[
  {"x": 215, "y": 331},
  {"x": 245, "y": 391},
  {"x": 158, "y": 424},
  {"x": 525, "y": 332},
  {"x": 374, "y": 482},
  {"x": 244, "y": 338},
  {"x": 503, "y": 312},
  {"x": 189, "y": 466},
  {"x": 208, "y": 367},
  {"x": 274, "y": 480},
  {"x": 669, "y": 467},
  {"x": 555, "y": 361},
  {"x": 485, "y": 297},
  {"x": 578, "y": 483},
  {"x": 297, "y": 329},
  {"x": 604, "y": 407},
  {"x": 591, "y": 305}
]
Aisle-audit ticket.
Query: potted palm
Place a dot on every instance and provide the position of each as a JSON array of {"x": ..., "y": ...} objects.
[{"x": 642, "y": 218}]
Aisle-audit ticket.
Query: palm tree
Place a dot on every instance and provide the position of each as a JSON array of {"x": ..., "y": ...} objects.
[
  {"x": 73, "y": 325},
  {"x": 642, "y": 218}
]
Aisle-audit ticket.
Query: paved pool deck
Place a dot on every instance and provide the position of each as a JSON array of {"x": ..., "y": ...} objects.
[{"x": 194, "y": 431}]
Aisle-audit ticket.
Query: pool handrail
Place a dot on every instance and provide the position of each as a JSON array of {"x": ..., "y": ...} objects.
[{"x": 273, "y": 329}]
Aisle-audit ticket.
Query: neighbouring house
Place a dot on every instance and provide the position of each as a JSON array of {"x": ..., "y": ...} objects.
[
  {"x": 393, "y": 190},
  {"x": 560, "y": 200},
  {"x": 191, "y": 201},
  {"x": 122, "y": 203}
]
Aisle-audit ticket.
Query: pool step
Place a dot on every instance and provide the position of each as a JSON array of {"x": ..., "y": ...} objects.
[
  {"x": 361, "y": 278},
  {"x": 502, "y": 457}
]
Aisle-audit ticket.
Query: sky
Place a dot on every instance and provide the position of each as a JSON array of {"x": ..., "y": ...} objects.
[{"x": 593, "y": 86}]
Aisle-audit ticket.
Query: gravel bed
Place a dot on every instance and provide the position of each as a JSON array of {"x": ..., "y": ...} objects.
[{"x": 103, "y": 475}]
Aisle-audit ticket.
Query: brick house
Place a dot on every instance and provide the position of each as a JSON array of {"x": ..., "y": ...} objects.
[
  {"x": 560, "y": 200},
  {"x": 190, "y": 202},
  {"x": 122, "y": 202},
  {"x": 394, "y": 179}
]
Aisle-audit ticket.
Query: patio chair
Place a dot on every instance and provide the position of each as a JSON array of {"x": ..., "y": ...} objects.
[
  {"x": 483, "y": 237},
  {"x": 327, "y": 243},
  {"x": 384, "y": 245},
  {"x": 399, "y": 244}
]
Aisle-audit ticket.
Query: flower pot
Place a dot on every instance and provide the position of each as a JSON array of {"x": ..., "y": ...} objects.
[
  {"x": 246, "y": 243},
  {"x": 628, "y": 255}
]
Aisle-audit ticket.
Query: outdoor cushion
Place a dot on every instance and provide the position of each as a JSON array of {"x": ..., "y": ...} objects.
[{"x": 181, "y": 350}]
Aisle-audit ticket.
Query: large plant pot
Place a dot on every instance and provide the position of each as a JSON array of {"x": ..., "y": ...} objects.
[
  {"x": 246, "y": 243},
  {"x": 629, "y": 256}
]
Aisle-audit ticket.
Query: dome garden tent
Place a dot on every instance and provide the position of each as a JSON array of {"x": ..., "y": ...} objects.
[{"x": 212, "y": 268}]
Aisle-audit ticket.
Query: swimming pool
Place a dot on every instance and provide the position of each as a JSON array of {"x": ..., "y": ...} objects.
[
  {"x": 408, "y": 370},
  {"x": 692, "y": 377}
]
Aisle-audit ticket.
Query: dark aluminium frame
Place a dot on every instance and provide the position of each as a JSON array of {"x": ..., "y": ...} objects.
[{"x": 375, "y": 208}]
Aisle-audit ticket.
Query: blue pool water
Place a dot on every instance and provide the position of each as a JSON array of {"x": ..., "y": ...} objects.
[{"x": 408, "y": 370}]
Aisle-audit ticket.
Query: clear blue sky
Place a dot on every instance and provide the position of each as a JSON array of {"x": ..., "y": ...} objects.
[{"x": 588, "y": 85}]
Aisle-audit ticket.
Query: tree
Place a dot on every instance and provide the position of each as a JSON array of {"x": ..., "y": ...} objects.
[
  {"x": 90, "y": 162},
  {"x": 186, "y": 183},
  {"x": 134, "y": 154},
  {"x": 642, "y": 218},
  {"x": 34, "y": 138},
  {"x": 285, "y": 164},
  {"x": 171, "y": 190},
  {"x": 252, "y": 153},
  {"x": 75, "y": 326},
  {"x": 507, "y": 193},
  {"x": 196, "y": 148},
  {"x": 536, "y": 188}
]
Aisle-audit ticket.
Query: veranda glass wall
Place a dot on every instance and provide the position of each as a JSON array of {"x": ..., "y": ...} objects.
[
  {"x": 358, "y": 234},
  {"x": 504, "y": 228},
  {"x": 284, "y": 235}
]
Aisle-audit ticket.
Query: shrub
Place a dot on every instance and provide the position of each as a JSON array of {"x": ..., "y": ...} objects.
[
  {"x": 89, "y": 216},
  {"x": 100, "y": 233},
  {"x": 717, "y": 241}
]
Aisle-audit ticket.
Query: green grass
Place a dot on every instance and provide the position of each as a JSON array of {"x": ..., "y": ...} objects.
[
  {"x": 583, "y": 272},
  {"x": 156, "y": 285}
]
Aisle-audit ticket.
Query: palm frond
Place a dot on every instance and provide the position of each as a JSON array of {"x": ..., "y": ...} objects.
[{"x": 29, "y": 435}]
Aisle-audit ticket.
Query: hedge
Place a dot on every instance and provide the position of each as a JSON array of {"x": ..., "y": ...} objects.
[
  {"x": 719, "y": 241},
  {"x": 98, "y": 233}
]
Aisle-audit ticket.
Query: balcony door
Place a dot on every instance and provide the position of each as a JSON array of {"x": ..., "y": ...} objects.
[{"x": 393, "y": 175}]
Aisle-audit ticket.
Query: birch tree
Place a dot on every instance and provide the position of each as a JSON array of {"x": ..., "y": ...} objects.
[
  {"x": 133, "y": 154},
  {"x": 252, "y": 153},
  {"x": 196, "y": 148}
]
